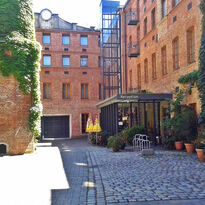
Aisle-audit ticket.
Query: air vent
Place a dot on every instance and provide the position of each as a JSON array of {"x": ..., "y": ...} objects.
[
  {"x": 46, "y": 48},
  {"x": 66, "y": 72},
  {"x": 189, "y": 6},
  {"x": 174, "y": 19},
  {"x": 84, "y": 50},
  {"x": 84, "y": 73},
  {"x": 47, "y": 72},
  {"x": 153, "y": 37}
]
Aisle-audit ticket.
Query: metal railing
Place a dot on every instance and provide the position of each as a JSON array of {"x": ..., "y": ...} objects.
[
  {"x": 132, "y": 17},
  {"x": 133, "y": 50}
]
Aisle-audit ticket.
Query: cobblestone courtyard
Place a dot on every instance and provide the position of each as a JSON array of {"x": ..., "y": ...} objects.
[
  {"x": 128, "y": 177},
  {"x": 72, "y": 172}
]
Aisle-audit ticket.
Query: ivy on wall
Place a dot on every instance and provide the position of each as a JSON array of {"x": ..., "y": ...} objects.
[
  {"x": 198, "y": 76},
  {"x": 201, "y": 79},
  {"x": 20, "y": 53}
]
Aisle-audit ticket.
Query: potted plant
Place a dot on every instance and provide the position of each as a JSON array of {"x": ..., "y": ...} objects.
[
  {"x": 190, "y": 128},
  {"x": 116, "y": 142},
  {"x": 200, "y": 148},
  {"x": 183, "y": 123}
]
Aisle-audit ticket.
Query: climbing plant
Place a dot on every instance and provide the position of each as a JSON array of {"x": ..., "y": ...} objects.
[
  {"x": 20, "y": 53},
  {"x": 198, "y": 76},
  {"x": 201, "y": 78}
]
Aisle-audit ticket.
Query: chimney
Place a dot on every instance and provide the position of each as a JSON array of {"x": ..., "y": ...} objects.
[
  {"x": 74, "y": 26},
  {"x": 92, "y": 28}
]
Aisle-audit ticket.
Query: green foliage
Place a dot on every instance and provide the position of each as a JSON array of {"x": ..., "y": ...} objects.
[
  {"x": 131, "y": 132},
  {"x": 189, "y": 78},
  {"x": 23, "y": 60},
  {"x": 201, "y": 79},
  {"x": 17, "y": 15},
  {"x": 183, "y": 123},
  {"x": 116, "y": 142},
  {"x": 102, "y": 138},
  {"x": 169, "y": 143}
]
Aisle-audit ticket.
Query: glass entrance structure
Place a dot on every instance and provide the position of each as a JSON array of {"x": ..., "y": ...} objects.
[
  {"x": 111, "y": 47},
  {"x": 126, "y": 110}
]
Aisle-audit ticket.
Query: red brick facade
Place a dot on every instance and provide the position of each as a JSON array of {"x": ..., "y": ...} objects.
[
  {"x": 158, "y": 41},
  {"x": 56, "y": 75},
  {"x": 14, "y": 116}
]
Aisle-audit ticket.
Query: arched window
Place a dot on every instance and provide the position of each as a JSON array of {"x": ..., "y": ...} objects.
[{"x": 3, "y": 148}]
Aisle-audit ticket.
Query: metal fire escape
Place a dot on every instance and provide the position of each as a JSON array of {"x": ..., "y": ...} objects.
[{"x": 111, "y": 48}]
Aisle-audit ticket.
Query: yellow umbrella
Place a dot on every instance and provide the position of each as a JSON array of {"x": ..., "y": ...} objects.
[
  {"x": 89, "y": 126},
  {"x": 96, "y": 127}
]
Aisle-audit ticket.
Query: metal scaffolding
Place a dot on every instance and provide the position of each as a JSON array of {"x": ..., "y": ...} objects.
[{"x": 111, "y": 48}]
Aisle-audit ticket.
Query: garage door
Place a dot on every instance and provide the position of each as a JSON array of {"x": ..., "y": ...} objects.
[{"x": 55, "y": 126}]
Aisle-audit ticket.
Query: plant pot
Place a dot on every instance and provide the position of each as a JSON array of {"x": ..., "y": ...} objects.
[
  {"x": 114, "y": 149},
  {"x": 200, "y": 154},
  {"x": 179, "y": 145},
  {"x": 189, "y": 148}
]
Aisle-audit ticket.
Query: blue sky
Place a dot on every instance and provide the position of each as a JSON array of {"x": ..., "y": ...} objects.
[{"x": 84, "y": 12}]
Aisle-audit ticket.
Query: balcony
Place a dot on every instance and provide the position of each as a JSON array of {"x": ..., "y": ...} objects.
[
  {"x": 132, "y": 17},
  {"x": 133, "y": 50}
]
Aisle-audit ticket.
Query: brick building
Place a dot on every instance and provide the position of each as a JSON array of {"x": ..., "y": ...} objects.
[
  {"x": 71, "y": 76},
  {"x": 160, "y": 42}
]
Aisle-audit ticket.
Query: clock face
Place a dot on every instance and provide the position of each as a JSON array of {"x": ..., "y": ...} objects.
[{"x": 46, "y": 14}]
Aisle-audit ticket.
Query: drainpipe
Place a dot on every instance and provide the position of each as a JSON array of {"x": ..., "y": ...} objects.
[{"x": 124, "y": 52}]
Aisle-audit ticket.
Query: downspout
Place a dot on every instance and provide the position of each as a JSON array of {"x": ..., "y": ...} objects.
[{"x": 124, "y": 52}]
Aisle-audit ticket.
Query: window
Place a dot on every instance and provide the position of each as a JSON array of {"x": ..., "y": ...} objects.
[
  {"x": 154, "y": 74},
  {"x": 174, "y": 3},
  {"x": 130, "y": 74},
  {"x": 66, "y": 61},
  {"x": 190, "y": 45},
  {"x": 83, "y": 61},
  {"x": 46, "y": 90},
  {"x": 138, "y": 9},
  {"x": 83, "y": 40},
  {"x": 46, "y": 38},
  {"x": 65, "y": 39},
  {"x": 99, "y": 41},
  {"x": 46, "y": 60},
  {"x": 153, "y": 18},
  {"x": 84, "y": 91},
  {"x": 145, "y": 26},
  {"x": 164, "y": 60},
  {"x": 84, "y": 119},
  {"x": 138, "y": 34},
  {"x": 66, "y": 91},
  {"x": 99, "y": 62},
  {"x": 175, "y": 53},
  {"x": 164, "y": 8},
  {"x": 138, "y": 77},
  {"x": 100, "y": 91},
  {"x": 146, "y": 70}
]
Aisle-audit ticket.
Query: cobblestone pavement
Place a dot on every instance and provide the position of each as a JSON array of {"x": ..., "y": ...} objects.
[
  {"x": 73, "y": 153},
  {"x": 71, "y": 172},
  {"x": 127, "y": 177}
]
